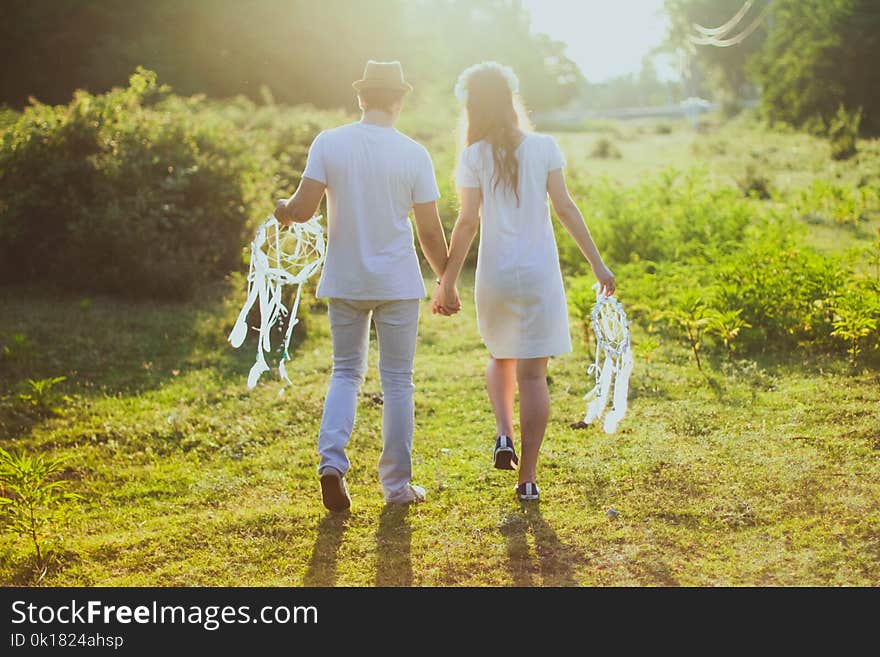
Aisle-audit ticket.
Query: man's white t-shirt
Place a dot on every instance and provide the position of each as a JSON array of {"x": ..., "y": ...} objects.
[{"x": 373, "y": 175}]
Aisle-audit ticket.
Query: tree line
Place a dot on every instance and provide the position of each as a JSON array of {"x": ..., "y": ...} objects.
[
  {"x": 808, "y": 59},
  {"x": 290, "y": 51}
]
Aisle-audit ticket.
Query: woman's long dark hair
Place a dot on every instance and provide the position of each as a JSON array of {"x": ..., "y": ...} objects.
[{"x": 495, "y": 114}]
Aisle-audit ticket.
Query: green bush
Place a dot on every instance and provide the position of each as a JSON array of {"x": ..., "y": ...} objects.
[
  {"x": 843, "y": 132},
  {"x": 39, "y": 397},
  {"x": 722, "y": 273},
  {"x": 605, "y": 149},
  {"x": 140, "y": 192},
  {"x": 841, "y": 204},
  {"x": 754, "y": 183},
  {"x": 34, "y": 499},
  {"x": 667, "y": 218},
  {"x": 785, "y": 293}
]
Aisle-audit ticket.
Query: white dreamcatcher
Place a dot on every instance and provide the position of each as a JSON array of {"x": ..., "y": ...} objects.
[
  {"x": 279, "y": 256},
  {"x": 611, "y": 328}
]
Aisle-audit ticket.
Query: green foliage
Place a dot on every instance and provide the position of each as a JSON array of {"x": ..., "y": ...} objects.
[
  {"x": 856, "y": 321},
  {"x": 17, "y": 347},
  {"x": 40, "y": 397},
  {"x": 296, "y": 51},
  {"x": 724, "y": 71},
  {"x": 820, "y": 55},
  {"x": 33, "y": 499},
  {"x": 605, "y": 149},
  {"x": 139, "y": 192},
  {"x": 843, "y": 133},
  {"x": 856, "y": 311},
  {"x": 702, "y": 264},
  {"x": 692, "y": 316},
  {"x": 843, "y": 205},
  {"x": 673, "y": 216},
  {"x": 726, "y": 325},
  {"x": 7, "y": 117},
  {"x": 754, "y": 183},
  {"x": 785, "y": 292}
]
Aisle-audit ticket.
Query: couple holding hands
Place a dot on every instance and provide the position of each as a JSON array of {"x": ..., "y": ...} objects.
[{"x": 374, "y": 176}]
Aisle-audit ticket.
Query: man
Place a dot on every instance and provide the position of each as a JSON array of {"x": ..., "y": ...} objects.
[{"x": 373, "y": 176}]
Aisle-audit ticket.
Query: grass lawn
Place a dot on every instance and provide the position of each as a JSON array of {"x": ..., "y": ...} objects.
[
  {"x": 749, "y": 473},
  {"x": 754, "y": 474}
]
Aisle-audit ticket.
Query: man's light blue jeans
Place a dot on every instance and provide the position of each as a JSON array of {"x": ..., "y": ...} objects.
[{"x": 397, "y": 326}]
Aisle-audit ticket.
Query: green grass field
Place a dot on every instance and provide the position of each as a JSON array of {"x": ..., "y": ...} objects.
[{"x": 754, "y": 472}]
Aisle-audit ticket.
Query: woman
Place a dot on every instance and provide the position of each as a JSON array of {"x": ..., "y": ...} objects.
[{"x": 504, "y": 175}]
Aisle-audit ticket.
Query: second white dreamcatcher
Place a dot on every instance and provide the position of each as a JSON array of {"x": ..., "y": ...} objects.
[{"x": 611, "y": 329}]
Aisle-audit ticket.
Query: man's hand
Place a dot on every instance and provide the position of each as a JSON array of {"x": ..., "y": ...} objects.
[
  {"x": 445, "y": 300},
  {"x": 282, "y": 212}
]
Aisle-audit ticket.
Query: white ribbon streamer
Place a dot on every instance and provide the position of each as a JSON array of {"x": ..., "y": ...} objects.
[
  {"x": 279, "y": 256},
  {"x": 611, "y": 328}
]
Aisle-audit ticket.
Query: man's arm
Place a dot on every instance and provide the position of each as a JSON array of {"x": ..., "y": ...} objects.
[
  {"x": 303, "y": 205},
  {"x": 431, "y": 236}
]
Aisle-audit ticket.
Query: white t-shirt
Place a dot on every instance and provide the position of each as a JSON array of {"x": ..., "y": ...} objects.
[{"x": 373, "y": 175}]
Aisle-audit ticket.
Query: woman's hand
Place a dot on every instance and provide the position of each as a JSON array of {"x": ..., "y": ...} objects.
[
  {"x": 445, "y": 300},
  {"x": 606, "y": 279}
]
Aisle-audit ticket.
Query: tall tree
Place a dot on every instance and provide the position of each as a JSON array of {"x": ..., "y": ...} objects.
[
  {"x": 300, "y": 50},
  {"x": 822, "y": 54},
  {"x": 727, "y": 68}
]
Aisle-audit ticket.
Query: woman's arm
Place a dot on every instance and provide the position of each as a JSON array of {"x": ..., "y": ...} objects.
[
  {"x": 570, "y": 217},
  {"x": 463, "y": 235}
]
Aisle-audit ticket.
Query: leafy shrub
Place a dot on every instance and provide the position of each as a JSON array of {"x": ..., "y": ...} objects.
[
  {"x": 138, "y": 191},
  {"x": 754, "y": 183},
  {"x": 33, "y": 497},
  {"x": 40, "y": 397},
  {"x": 667, "y": 218},
  {"x": 841, "y": 204},
  {"x": 785, "y": 293},
  {"x": 723, "y": 273},
  {"x": 16, "y": 347},
  {"x": 8, "y": 117},
  {"x": 856, "y": 321},
  {"x": 605, "y": 149},
  {"x": 843, "y": 132}
]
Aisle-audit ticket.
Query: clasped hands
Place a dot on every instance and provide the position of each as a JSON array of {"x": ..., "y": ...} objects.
[{"x": 445, "y": 300}]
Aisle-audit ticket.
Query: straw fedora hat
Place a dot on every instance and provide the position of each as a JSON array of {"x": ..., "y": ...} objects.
[{"x": 382, "y": 75}]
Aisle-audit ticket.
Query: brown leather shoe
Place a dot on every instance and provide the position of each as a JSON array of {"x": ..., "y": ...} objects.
[{"x": 334, "y": 492}]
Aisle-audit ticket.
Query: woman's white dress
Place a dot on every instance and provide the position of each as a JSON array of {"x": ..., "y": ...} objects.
[{"x": 520, "y": 298}]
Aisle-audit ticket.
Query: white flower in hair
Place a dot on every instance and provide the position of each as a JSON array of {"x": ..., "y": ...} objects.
[{"x": 507, "y": 73}]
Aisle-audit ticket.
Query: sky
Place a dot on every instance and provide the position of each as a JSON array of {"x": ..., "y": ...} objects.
[{"x": 606, "y": 38}]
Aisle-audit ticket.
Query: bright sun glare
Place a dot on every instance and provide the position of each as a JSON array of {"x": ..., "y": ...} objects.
[{"x": 605, "y": 38}]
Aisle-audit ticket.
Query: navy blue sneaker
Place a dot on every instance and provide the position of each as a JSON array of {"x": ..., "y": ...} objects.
[
  {"x": 504, "y": 455},
  {"x": 527, "y": 492}
]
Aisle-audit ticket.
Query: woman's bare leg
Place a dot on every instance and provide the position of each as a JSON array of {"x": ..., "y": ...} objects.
[
  {"x": 534, "y": 411},
  {"x": 501, "y": 386}
]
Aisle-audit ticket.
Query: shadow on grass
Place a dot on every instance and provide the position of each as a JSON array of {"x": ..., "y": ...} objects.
[
  {"x": 394, "y": 547},
  {"x": 26, "y": 570},
  {"x": 106, "y": 344},
  {"x": 322, "y": 565},
  {"x": 554, "y": 558}
]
